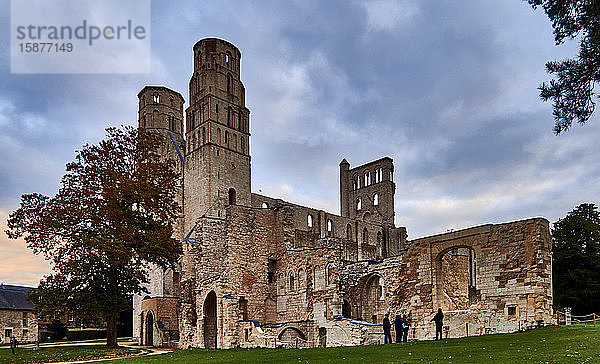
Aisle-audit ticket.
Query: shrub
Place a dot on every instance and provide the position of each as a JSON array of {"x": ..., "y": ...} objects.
[{"x": 86, "y": 335}]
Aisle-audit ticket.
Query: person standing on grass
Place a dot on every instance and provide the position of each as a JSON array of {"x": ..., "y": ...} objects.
[
  {"x": 387, "y": 329},
  {"x": 398, "y": 328},
  {"x": 405, "y": 326},
  {"x": 13, "y": 344},
  {"x": 439, "y": 323}
]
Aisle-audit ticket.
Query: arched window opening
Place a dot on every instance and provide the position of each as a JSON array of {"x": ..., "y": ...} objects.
[
  {"x": 329, "y": 227},
  {"x": 358, "y": 204},
  {"x": 310, "y": 220},
  {"x": 281, "y": 284},
  {"x": 292, "y": 282},
  {"x": 243, "y": 307},
  {"x": 228, "y": 83},
  {"x": 226, "y": 137},
  {"x": 367, "y": 178},
  {"x": 203, "y": 135},
  {"x": 391, "y": 175},
  {"x": 456, "y": 278},
  {"x": 365, "y": 237},
  {"x": 156, "y": 98},
  {"x": 357, "y": 182},
  {"x": 171, "y": 122},
  {"x": 227, "y": 57},
  {"x": 378, "y": 237},
  {"x": 234, "y": 138},
  {"x": 218, "y": 141},
  {"x": 232, "y": 196},
  {"x": 228, "y": 116},
  {"x": 265, "y": 205},
  {"x": 301, "y": 279},
  {"x": 329, "y": 275},
  {"x": 376, "y": 199},
  {"x": 242, "y": 146},
  {"x": 348, "y": 232},
  {"x": 346, "y": 309}
]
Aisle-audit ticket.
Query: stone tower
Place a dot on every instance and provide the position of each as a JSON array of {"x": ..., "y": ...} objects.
[
  {"x": 367, "y": 191},
  {"x": 161, "y": 111},
  {"x": 217, "y": 160}
]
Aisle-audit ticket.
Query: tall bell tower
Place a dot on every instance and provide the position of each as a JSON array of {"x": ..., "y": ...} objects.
[{"x": 217, "y": 156}]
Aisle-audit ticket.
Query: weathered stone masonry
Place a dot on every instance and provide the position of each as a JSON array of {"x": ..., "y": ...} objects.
[{"x": 259, "y": 271}]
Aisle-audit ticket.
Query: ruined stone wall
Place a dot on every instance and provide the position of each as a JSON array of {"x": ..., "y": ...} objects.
[
  {"x": 511, "y": 286},
  {"x": 361, "y": 240},
  {"x": 13, "y": 320},
  {"x": 358, "y": 187}
]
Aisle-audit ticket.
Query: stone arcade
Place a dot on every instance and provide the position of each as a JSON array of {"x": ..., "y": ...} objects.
[{"x": 259, "y": 271}]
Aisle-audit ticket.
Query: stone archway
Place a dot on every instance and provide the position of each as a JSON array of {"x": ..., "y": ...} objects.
[
  {"x": 149, "y": 329},
  {"x": 372, "y": 299},
  {"x": 210, "y": 321},
  {"x": 289, "y": 335},
  {"x": 455, "y": 278}
]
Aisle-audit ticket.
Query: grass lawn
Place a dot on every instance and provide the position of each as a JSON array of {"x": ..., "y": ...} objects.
[
  {"x": 67, "y": 353},
  {"x": 565, "y": 344}
]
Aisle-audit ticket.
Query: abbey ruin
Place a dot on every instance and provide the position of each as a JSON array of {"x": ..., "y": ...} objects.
[{"x": 261, "y": 272}]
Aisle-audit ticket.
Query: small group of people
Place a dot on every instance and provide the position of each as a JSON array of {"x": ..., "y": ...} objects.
[{"x": 401, "y": 326}]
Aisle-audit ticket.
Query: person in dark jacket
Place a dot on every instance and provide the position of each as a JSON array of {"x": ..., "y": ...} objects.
[
  {"x": 398, "y": 328},
  {"x": 387, "y": 329},
  {"x": 439, "y": 323},
  {"x": 13, "y": 344},
  {"x": 405, "y": 328}
]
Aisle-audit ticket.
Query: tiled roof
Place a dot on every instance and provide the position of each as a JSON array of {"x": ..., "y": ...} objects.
[{"x": 14, "y": 298}]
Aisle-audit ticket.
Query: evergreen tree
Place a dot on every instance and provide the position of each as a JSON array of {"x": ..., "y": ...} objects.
[
  {"x": 576, "y": 260},
  {"x": 572, "y": 91}
]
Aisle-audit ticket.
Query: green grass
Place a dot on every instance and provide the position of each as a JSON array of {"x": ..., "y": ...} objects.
[
  {"x": 565, "y": 344},
  {"x": 66, "y": 353},
  {"x": 572, "y": 344}
]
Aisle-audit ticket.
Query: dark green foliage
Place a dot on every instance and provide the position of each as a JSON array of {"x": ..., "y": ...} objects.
[
  {"x": 576, "y": 260},
  {"x": 86, "y": 334},
  {"x": 57, "y": 330},
  {"x": 113, "y": 214},
  {"x": 572, "y": 91}
]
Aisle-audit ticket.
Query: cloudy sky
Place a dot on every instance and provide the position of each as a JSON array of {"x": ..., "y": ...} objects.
[{"x": 445, "y": 88}]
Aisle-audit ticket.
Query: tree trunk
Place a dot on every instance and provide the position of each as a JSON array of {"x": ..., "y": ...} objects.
[{"x": 111, "y": 331}]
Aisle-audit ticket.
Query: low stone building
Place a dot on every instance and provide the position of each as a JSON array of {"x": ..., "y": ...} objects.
[
  {"x": 17, "y": 315},
  {"x": 259, "y": 271}
]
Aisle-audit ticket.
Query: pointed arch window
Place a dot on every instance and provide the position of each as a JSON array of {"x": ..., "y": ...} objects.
[
  {"x": 309, "y": 220},
  {"x": 292, "y": 284},
  {"x": 376, "y": 199},
  {"x": 358, "y": 204}
]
